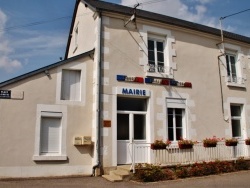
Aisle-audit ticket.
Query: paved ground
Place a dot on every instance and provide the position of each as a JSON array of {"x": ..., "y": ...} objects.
[{"x": 237, "y": 179}]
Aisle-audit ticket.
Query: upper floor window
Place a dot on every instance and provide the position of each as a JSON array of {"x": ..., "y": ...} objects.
[
  {"x": 156, "y": 55},
  {"x": 70, "y": 85},
  {"x": 231, "y": 68}
]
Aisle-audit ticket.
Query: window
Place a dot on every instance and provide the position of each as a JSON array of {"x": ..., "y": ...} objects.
[
  {"x": 175, "y": 123},
  {"x": 50, "y": 135},
  {"x": 236, "y": 120},
  {"x": 70, "y": 85},
  {"x": 231, "y": 68},
  {"x": 176, "y": 126},
  {"x": 156, "y": 55}
]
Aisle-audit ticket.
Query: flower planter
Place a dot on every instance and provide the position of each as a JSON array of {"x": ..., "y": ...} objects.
[
  {"x": 157, "y": 147},
  {"x": 247, "y": 142},
  {"x": 231, "y": 143},
  {"x": 209, "y": 145},
  {"x": 185, "y": 146}
]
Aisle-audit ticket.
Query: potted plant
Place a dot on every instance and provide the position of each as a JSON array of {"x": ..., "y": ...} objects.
[
  {"x": 231, "y": 142},
  {"x": 159, "y": 144},
  {"x": 247, "y": 141},
  {"x": 210, "y": 142},
  {"x": 185, "y": 144}
]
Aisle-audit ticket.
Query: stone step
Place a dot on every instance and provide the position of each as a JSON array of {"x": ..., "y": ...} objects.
[{"x": 122, "y": 173}]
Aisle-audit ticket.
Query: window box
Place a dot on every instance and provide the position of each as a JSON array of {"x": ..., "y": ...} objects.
[
  {"x": 247, "y": 141},
  {"x": 231, "y": 142},
  {"x": 210, "y": 142},
  {"x": 185, "y": 144},
  {"x": 159, "y": 144}
]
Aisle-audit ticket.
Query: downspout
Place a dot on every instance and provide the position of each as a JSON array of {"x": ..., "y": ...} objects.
[{"x": 98, "y": 92}]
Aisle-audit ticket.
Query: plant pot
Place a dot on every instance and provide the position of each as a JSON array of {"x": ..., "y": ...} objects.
[
  {"x": 157, "y": 147},
  {"x": 247, "y": 142},
  {"x": 231, "y": 143},
  {"x": 209, "y": 145},
  {"x": 185, "y": 146}
]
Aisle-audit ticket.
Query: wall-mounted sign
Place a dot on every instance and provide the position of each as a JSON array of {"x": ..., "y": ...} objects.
[
  {"x": 106, "y": 123},
  {"x": 133, "y": 91},
  {"x": 5, "y": 94}
]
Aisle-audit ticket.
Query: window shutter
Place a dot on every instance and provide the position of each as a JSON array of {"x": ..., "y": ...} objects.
[
  {"x": 71, "y": 85},
  {"x": 50, "y": 135}
]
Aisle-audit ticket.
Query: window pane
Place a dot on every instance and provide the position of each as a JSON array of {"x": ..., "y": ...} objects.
[
  {"x": 170, "y": 121},
  {"x": 151, "y": 56},
  {"x": 131, "y": 104},
  {"x": 178, "y": 111},
  {"x": 160, "y": 46},
  {"x": 236, "y": 111},
  {"x": 236, "y": 128},
  {"x": 122, "y": 126},
  {"x": 150, "y": 45},
  {"x": 139, "y": 127},
  {"x": 179, "y": 134},
  {"x": 178, "y": 121},
  {"x": 170, "y": 133},
  {"x": 160, "y": 57},
  {"x": 170, "y": 110}
]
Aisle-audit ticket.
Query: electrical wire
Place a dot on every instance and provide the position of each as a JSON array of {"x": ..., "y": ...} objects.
[
  {"x": 234, "y": 14},
  {"x": 38, "y": 23}
]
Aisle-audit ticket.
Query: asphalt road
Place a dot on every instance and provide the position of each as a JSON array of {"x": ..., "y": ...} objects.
[{"x": 237, "y": 179}]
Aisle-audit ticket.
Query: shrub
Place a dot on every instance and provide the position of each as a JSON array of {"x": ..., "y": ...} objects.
[
  {"x": 149, "y": 173},
  {"x": 241, "y": 164},
  {"x": 182, "y": 172}
]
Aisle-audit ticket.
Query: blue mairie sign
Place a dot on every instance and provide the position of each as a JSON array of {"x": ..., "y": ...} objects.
[{"x": 5, "y": 94}]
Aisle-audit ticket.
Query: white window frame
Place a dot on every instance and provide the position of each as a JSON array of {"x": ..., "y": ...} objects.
[
  {"x": 181, "y": 104},
  {"x": 237, "y": 118},
  {"x": 161, "y": 34},
  {"x": 240, "y": 79},
  {"x": 155, "y": 68},
  {"x": 56, "y": 111}
]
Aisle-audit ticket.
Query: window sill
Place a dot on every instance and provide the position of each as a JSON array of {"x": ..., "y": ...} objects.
[
  {"x": 49, "y": 158},
  {"x": 231, "y": 84},
  {"x": 159, "y": 75}
]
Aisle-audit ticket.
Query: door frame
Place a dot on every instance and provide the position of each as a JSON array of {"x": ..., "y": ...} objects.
[{"x": 131, "y": 115}]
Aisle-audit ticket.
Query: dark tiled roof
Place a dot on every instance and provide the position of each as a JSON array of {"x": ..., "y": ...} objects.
[
  {"x": 43, "y": 69},
  {"x": 111, "y": 7}
]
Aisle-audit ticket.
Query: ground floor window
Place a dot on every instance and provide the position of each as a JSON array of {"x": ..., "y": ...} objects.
[
  {"x": 175, "y": 123},
  {"x": 50, "y": 135},
  {"x": 176, "y": 119},
  {"x": 236, "y": 111}
]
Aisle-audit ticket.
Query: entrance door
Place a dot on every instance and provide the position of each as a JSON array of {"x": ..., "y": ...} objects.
[{"x": 131, "y": 127}]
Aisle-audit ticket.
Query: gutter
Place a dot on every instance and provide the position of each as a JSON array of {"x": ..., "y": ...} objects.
[{"x": 98, "y": 93}]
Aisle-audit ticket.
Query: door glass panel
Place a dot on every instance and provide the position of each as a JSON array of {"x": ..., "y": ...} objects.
[
  {"x": 236, "y": 128},
  {"x": 139, "y": 127},
  {"x": 122, "y": 126},
  {"x": 131, "y": 104}
]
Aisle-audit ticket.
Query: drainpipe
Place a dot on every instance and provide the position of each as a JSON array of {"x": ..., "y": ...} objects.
[{"x": 98, "y": 92}]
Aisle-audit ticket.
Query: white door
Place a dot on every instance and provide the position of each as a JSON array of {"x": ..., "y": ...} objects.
[{"x": 131, "y": 126}]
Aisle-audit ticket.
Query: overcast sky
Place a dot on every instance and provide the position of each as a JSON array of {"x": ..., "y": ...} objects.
[{"x": 33, "y": 33}]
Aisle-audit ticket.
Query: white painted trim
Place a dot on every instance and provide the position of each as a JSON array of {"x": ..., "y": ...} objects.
[
  {"x": 53, "y": 111},
  {"x": 44, "y": 170}
]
